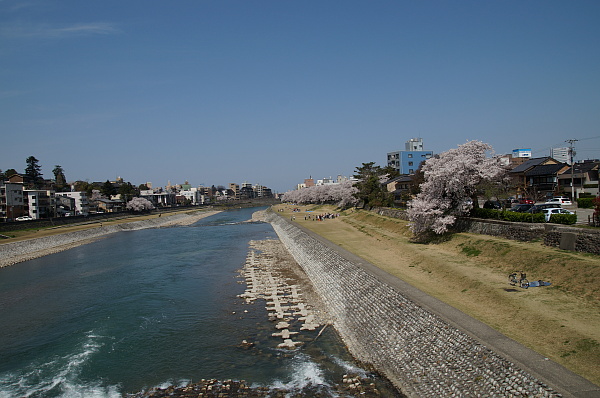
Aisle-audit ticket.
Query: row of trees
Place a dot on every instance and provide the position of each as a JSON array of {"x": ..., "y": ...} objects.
[
  {"x": 367, "y": 191},
  {"x": 341, "y": 195},
  {"x": 447, "y": 187}
]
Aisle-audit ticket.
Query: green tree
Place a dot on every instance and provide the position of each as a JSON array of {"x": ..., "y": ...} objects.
[
  {"x": 108, "y": 189},
  {"x": 128, "y": 192},
  {"x": 33, "y": 171},
  {"x": 143, "y": 187},
  {"x": 371, "y": 189},
  {"x": 9, "y": 173},
  {"x": 83, "y": 186},
  {"x": 59, "y": 178}
]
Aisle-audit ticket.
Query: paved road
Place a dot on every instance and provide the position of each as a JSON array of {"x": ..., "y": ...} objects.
[{"x": 583, "y": 215}]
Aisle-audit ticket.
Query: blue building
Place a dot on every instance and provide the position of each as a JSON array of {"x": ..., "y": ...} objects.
[{"x": 409, "y": 160}]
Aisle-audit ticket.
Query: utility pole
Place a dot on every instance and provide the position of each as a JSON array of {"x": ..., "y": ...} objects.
[{"x": 572, "y": 154}]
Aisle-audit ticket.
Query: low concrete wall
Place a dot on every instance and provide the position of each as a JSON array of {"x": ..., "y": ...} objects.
[{"x": 423, "y": 355}]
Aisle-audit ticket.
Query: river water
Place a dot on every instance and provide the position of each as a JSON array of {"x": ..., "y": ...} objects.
[{"x": 150, "y": 308}]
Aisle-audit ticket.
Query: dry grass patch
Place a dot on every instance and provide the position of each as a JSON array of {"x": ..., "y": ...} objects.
[{"x": 470, "y": 272}]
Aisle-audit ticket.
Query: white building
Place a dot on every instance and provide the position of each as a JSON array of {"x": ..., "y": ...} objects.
[
  {"x": 82, "y": 204},
  {"x": 39, "y": 203},
  {"x": 521, "y": 153},
  {"x": 194, "y": 195},
  {"x": 11, "y": 200},
  {"x": 561, "y": 154},
  {"x": 414, "y": 144}
]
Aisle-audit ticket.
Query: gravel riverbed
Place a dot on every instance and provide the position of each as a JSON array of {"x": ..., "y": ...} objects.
[{"x": 16, "y": 252}]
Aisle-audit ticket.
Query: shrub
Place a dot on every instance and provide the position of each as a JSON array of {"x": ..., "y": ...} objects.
[
  {"x": 585, "y": 203},
  {"x": 566, "y": 219},
  {"x": 507, "y": 215}
]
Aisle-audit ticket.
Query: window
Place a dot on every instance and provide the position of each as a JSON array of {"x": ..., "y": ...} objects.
[
  {"x": 410, "y": 155},
  {"x": 410, "y": 163}
]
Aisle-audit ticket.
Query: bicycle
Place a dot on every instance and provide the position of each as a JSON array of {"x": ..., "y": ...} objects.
[{"x": 521, "y": 282}]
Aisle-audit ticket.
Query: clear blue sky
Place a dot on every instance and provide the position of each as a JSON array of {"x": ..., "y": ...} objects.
[{"x": 272, "y": 92}]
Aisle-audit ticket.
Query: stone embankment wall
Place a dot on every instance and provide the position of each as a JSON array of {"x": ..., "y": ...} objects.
[
  {"x": 563, "y": 237},
  {"x": 419, "y": 352}
]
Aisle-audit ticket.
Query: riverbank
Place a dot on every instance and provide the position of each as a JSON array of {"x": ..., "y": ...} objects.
[
  {"x": 39, "y": 243},
  {"x": 469, "y": 272}
]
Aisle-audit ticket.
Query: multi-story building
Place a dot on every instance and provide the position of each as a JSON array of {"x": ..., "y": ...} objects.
[
  {"x": 521, "y": 153},
  {"x": 563, "y": 155},
  {"x": 82, "y": 204},
  {"x": 158, "y": 197},
  {"x": 326, "y": 181},
  {"x": 65, "y": 206},
  {"x": 194, "y": 196},
  {"x": 235, "y": 188},
  {"x": 409, "y": 160},
  {"x": 12, "y": 204},
  {"x": 39, "y": 203}
]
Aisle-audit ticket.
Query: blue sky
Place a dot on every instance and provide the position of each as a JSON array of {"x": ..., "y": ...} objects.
[{"x": 272, "y": 92}]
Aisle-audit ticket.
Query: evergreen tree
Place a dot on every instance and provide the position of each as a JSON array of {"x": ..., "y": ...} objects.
[
  {"x": 59, "y": 178},
  {"x": 107, "y": 189},
  {"x": 33, "y": 171},
  {"x": 371, "y": 189},
  {"x": 128, "y": 191},
  {"x": 10, "y": 172}
]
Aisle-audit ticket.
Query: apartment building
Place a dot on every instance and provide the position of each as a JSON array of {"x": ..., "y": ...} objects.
[
  {"x": 82, "y": 204},
  {"x": 409, "y": 160},
  {"x": 12, "y": 203},
  {"x": 39, "y": 203}
]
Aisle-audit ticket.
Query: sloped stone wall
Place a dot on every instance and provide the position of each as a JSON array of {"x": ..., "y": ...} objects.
[{"x": 420, "y": 353}]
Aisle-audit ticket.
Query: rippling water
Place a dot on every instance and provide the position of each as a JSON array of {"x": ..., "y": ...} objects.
[{"x": 148, "y": 308}]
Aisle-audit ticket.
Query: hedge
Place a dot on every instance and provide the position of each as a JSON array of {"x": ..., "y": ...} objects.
[
  {"x": 566, "y": 219},
  {"x": 585, "y": 203},
  {"x": 513, "y": 216}
]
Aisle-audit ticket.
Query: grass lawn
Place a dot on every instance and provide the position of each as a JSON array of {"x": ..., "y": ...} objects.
[{"x": 470, "y": 272}]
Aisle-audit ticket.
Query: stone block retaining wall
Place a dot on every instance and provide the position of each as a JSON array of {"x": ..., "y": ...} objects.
[
  {"x": 419, "y": 352},
  {"x": 564, "y": 237}
]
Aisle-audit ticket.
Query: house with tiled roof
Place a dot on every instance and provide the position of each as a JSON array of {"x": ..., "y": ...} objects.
[
  {"x": 583, "y": 176},
  {"x": 537, "y": 177}
]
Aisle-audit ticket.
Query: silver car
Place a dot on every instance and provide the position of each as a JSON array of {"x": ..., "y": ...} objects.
[{"x": 554, "y": 210}]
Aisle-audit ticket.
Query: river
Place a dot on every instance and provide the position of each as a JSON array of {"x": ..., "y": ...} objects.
[{"x": 150, "y": 308}]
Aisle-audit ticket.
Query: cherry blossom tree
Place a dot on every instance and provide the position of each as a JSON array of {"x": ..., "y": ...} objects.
[
  {"x": 451, "y": 179},
  {"x": 139, "y": 204},
  {"x": 340, "y": 194}
]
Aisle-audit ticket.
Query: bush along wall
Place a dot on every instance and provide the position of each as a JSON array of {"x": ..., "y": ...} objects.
[
  {"x": 509, "y": 215},
  {"x": 566, "y": 219}
]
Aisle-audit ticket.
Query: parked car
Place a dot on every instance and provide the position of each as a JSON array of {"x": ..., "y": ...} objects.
[
  {"x": 560, "y": 200},
  {"x": 542, "y": 206},
  {"x": 492, "y": 204},
  {"x": 521, "y": 208},
  {"x": 24, "y": 218},
  {"x": 554, "y": 210},
  {"x": 527, "y": 201}
]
